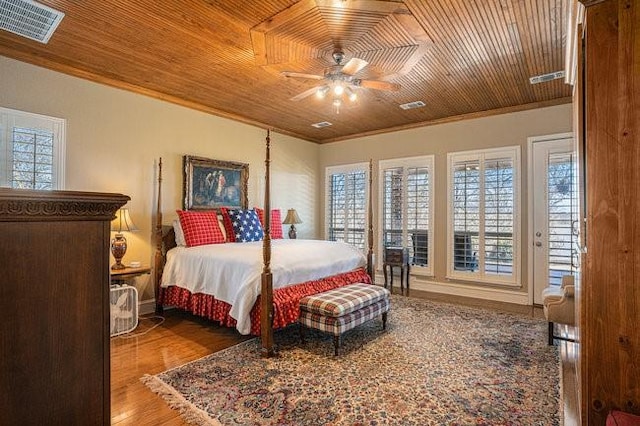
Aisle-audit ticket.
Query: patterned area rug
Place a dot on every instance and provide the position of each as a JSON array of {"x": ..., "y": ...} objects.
[{"x": 436, "y": 364}]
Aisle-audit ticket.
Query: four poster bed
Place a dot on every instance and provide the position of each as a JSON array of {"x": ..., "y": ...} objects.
[{"x": 232, "y": 284}]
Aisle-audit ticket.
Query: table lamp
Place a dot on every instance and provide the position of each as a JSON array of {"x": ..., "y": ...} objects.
[
  {"x": 120, "y": 224},
  {"x": 292, "y": 219}
]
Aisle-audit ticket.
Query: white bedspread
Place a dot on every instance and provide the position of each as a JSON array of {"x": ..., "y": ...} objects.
[{"x": 231, "y": 272}]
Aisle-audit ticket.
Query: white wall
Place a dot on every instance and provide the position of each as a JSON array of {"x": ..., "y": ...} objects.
[
  {"x": 114, "y": 140},
  {"x": 489, "y": 132}
]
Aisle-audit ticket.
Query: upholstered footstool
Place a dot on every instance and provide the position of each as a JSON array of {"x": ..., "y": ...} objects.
[{"x": 343, "y": 308}]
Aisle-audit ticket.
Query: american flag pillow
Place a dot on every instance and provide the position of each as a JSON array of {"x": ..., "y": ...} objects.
[
  {"x": 246, "y": 225},
  {"x": 276, "y": 222},
  {"x": 200, "y": 228}
]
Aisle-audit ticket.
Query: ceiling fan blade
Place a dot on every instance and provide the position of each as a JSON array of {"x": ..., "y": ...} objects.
[
  {"x": 301, "y": 75},
  {"x": 380, "y": 85},
  {"x": 354, "y": 66},
  {"x": 304, "y": 94}
]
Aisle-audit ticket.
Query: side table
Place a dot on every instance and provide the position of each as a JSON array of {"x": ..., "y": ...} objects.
[
  {"x": 119, "y": 276},
  {"x": 396, "y": 256}
]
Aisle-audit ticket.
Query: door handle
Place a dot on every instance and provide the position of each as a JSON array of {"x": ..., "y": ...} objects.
[{"x": 575, "y": 227}]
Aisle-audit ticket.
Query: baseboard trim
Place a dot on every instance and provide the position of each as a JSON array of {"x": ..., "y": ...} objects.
[
  {"x": 475, "y": 292},
  {"x": 464, "y": 290},
  {"x": 147, "y": 306}
]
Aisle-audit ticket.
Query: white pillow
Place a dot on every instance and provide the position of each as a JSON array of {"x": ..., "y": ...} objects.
[
  {"x": 222, "y": 228},
  {"x": 177, "y": 229}
]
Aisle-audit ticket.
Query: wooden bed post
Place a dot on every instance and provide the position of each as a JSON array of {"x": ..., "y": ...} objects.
[
  {"x": 158, "y": 261},
  {"x": 266, "y": 295},
  {"x": 370, "y": 265}
]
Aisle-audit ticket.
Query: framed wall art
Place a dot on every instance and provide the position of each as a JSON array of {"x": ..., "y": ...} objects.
[{"x": 209, "y": 184}]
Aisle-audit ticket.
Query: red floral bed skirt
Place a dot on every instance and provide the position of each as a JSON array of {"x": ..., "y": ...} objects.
[{"x": 285, "y": 300}]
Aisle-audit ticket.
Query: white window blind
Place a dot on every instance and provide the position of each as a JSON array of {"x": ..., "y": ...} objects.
[
  {"x": 31, "y": 150},
  {"x": 346, "y": 201},
  {"x": 407, "y": 210},
  {"x": 484, "y": 216}
]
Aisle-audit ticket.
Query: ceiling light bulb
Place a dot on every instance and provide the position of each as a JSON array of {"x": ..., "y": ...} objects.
[
  {"x": 322, "y": 91},
  {"x": 338, "y": 90},
  {"x": 351, "y": 94}
]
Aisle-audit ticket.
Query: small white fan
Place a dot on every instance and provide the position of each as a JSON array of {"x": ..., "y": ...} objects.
[{"x": 124, "y": 309}]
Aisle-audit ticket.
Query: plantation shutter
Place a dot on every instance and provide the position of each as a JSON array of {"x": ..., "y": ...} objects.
[
  {"x": 406, "y": 207},
  {"x": 393, "y": 202},
  {"x": 31, "y": 150},
  {"x": 562, "y": 215},
  {"x": 347, "y": 195},
  {"x": 499, "y": 216},
  {"x": 32, "y": 165},
  {"x": 466, "y": 215},
  {"x": 484, "y": 216}
]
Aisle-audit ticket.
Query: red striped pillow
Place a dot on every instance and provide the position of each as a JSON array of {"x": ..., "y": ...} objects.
[
  {"x": 200, "y": 228},
  {"x": 228, "y": 226},
  {"x": 276, "y": 222}
]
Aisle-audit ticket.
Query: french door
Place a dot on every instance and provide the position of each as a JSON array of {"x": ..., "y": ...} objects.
[{"x": 554, "y": 210}]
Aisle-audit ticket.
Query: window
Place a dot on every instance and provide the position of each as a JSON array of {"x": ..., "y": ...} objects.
[
  {"x": 346, "y": 201},
  {"x": 31, "y": 150},
  {"x": 484, "y": 216},
  {"x": 562, "y": 215},
  {"x": 406, "y": 186}
]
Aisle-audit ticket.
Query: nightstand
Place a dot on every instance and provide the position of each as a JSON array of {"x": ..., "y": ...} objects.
[
  {"x": 396, "y": 256},
  {"x": 119, "y": 276}
]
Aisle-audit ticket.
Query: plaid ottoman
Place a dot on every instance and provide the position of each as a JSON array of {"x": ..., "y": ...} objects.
[{"x": 343, "y": 308}]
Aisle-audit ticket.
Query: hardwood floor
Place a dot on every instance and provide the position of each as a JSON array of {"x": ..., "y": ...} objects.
[
  {"x": 182, "y": 338},
  {"x": 569, "y": 383}
]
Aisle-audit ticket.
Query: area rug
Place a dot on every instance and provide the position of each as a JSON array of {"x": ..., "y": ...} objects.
[{"x": 436, "y": 364}]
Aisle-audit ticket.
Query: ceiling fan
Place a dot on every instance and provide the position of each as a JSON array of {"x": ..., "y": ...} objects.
[{"x": 339, "y": 79}]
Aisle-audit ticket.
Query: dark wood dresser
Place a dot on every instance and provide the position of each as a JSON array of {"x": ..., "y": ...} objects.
[{"x": 54, "y": 313}]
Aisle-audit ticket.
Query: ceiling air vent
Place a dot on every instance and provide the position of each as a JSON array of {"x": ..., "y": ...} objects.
[
  {"x": 29, "y": 19},
  {"x": 546, "y": 77},
  {"x": 322, "y": 124},
  {"x": 412, "y": 105}
]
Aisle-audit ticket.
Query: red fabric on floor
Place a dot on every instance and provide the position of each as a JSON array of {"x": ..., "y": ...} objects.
[{"x": 619, "y": 418}]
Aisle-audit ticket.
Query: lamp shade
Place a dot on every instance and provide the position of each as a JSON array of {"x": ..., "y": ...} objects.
[
  {"x": 123, "y": 222},
  {"x": 292, "y": 217}
]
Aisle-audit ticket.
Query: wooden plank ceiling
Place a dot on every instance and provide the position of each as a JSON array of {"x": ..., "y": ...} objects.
[{"x": 462, "y": 58}]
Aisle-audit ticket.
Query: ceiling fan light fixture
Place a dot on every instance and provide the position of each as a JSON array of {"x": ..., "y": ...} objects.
[
  {"x": 337, "y": 103},
  {"x": 351, "y": 94},
  {"x": 322, "y": 91},
  {"x": 340, "y": 80}
]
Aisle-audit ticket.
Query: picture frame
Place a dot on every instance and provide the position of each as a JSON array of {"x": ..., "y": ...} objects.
[{"x": 210, "y": 184}]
